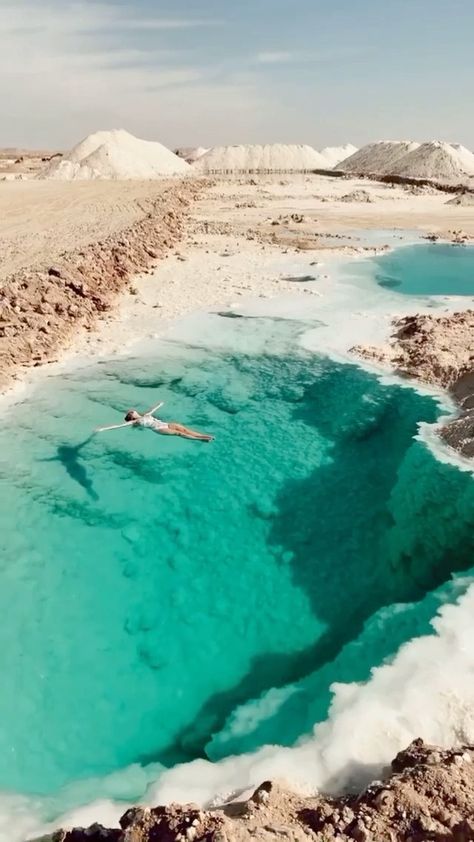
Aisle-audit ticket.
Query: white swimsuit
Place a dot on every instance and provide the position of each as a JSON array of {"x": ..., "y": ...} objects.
[{"x": 153, "y": 423}]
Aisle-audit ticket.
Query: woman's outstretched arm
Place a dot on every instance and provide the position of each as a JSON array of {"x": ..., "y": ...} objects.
[
  {"x": 154, "y": 408},
  {"x": 113, "y": 427}
]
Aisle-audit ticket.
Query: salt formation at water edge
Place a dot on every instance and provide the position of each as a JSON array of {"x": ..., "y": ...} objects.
[
  {"x": 116, "y": 155},
  {"x": 191, "y": 153},
  {"x": 335, "y": 154},
  {"x": 377, "y": 158},
  {"x": 271, "y": 157},
  {"x": 438, "y": 161}
]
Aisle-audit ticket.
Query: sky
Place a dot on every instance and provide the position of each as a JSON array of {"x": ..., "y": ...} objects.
[{"x": 207, "y": 72}]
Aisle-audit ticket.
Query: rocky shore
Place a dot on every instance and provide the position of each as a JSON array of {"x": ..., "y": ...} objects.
[
  {"x": 438, "y": 350},
  {"x": 41, "y": 308},
  {"x": 428, "y": 794}
]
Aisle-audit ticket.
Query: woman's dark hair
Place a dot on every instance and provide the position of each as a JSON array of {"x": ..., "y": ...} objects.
[{"x": 130, "y": 415}]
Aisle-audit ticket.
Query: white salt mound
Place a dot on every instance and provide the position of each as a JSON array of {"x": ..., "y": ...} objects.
[
  {"x": 116, "y": 155},
  {"x": 272, "y": 157},
  {"x": 378, "y": 158},
  {"x": 191, "y": 153},
  {"x": 335, "y": 154},
  {"x": 437, "y": 161}
]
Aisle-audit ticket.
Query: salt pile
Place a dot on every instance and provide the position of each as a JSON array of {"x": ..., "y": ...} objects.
[
  {"x": 437, "y": 161},
  {"x": 335, "y": 154},
  {"x": 378, "y": 158},
  {"x": 116, "y": 155},
  {"x": 191, "y": 153},
  {"x": 272, "y": 157}
]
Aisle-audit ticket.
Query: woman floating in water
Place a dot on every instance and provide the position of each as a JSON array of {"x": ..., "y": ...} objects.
[{"x": 134, "y": 419}]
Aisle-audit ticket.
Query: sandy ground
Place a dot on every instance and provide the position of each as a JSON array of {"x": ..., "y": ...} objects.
[
  {"x": 233, "y": 246},
  {"x": 18, "y": 164},
  {"x": 319, "y": 198},
  {"x": 41, "y": 219},
  {"x": 230, "y": 249}
]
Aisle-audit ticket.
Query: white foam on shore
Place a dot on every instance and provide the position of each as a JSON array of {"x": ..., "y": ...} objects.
[{"x": 368, "y": 722}]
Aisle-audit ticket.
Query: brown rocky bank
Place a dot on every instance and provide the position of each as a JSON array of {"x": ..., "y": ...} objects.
[
  {"x": 427, "y": 795},
  {"x": 438, "y": 350},
  {"x": 42, "y": 307}
]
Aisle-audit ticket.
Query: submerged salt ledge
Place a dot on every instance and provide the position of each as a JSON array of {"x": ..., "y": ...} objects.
[{"x": 367, "y": 723}]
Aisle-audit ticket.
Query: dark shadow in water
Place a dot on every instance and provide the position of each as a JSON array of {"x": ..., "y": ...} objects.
[
  {"x": 388, "y": 282},
  {"x": 69, "y": 456},
  {"x": 266, "y": 671},
  {"x": 140, "y": 467},
  {"x": 336, "y": 522},
  {"x": 335, "y": 525}
]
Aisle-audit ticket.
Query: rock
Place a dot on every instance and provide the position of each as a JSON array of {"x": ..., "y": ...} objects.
[
  {"x": 55, "y": 272},
  {"x": 464, "y": 199},
  {"x": 262, "y": 794},
  {"x": 95, "y": 833},
  {"x": 438, "y": 350},
  {"x": 360, "y": 832},
  {"x": 464, "y": 831},
  {"x": 357, "y": 196},
  {"x": 417, "y": 752}
]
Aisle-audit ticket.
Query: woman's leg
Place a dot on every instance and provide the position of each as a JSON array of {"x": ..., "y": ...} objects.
[{"x": 186, "y": 433}]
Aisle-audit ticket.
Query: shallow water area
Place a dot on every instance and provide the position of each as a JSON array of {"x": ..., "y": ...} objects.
[
  {"x": 433, "y": 269},
  {"x": 165, "y": 600}
]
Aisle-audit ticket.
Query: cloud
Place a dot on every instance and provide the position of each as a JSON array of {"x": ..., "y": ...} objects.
[
  {"x": 170, "y": 23},
  {"x": 274, "y": 58},
  {"x": 339, "y": 53},
  {"x": 67, "y": 69}
]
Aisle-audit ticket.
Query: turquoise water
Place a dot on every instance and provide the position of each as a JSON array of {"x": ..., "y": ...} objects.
[
  {"x": 432, "y": 269},
  {"x": 151, "y": 587}
]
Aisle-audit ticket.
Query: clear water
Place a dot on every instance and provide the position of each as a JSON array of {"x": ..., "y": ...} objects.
[
  {"x": 431, "y": 269},
  {"x": 153, "y": 586}
]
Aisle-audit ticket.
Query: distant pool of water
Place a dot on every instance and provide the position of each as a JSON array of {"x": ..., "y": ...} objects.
[{"x": 427, "y": 269}]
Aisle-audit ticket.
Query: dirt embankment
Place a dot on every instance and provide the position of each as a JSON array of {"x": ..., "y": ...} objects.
[
  {"x": 41, "y": 307},
  {"x": 438, "y": 350},
  {"x": 427, "y": 795}
]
